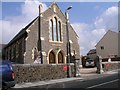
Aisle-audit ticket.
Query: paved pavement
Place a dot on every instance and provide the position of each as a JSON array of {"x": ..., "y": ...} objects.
[
  {"x": 47, "y": 82},
  {"x": 86, "y": 73}
]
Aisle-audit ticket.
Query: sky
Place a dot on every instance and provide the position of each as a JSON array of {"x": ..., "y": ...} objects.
[{"x": 90, "y": 20}]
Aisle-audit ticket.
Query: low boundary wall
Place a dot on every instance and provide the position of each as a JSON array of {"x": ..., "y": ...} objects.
[
  {"x": 39, "y": 72},
  {"x": 108, "y": 66}
]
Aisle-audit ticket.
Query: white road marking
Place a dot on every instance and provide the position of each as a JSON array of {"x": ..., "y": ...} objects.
[{"x": 102, "y": 84}]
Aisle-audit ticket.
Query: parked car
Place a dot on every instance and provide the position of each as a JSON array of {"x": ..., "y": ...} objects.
[
  {"x": 90, "y": 63},
  {"x": 7, "y": 74}
]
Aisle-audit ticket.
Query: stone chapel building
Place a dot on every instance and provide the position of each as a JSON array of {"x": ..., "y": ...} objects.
[{"x": 53, "y": 39}]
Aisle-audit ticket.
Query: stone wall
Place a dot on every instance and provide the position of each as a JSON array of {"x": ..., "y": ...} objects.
[
  {"x": 39, "y": 72},
  {"x": 108, "y": 66}
]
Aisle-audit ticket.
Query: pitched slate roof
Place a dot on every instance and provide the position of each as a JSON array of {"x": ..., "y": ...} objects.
[
  {"x": 20, "y": 34},
  {"x": 2, "y": 46},
  {"x": 92, "y": 51}
]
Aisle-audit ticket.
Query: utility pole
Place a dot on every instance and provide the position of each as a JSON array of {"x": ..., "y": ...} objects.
[{"x": 68, "y": 44}]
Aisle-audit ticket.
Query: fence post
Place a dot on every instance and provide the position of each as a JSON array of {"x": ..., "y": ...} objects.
[{"x": 101, "y": 68}]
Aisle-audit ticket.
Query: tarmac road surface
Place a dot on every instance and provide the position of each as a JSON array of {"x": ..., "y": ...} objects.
[{"x": 103, "y": 81}]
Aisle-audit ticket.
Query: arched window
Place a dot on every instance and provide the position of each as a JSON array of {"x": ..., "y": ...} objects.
[
  {"x": 55, "y": 28},
  {"x": 51, "y": 30},
  {"x": 35, "y": 53},
  {"x": 59, "y": 31},
  {"x": 51, "y": 57},
  {"x": 60, "y": 57}
]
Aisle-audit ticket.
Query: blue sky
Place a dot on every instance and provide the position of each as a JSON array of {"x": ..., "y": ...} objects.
[
  {"x": 91, "y": 20},
  {"x": 81, "y": 11}
]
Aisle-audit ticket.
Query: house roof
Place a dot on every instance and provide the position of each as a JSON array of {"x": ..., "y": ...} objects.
[
  {"x": 2, "y": 46},
  {"x": 105, "y": 35},
  {"x": 21, "y": 33},
  {"x": 92, "y": 51}
]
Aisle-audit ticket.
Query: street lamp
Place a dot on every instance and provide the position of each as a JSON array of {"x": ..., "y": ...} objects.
[
  {"x": 68, "y": 43},
  {"x": 39, "y": 34}
]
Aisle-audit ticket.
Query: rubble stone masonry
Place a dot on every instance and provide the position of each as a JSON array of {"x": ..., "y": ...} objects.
[
  {"x": 39, "y": 72},
  {"x": 108, "y": 66}
]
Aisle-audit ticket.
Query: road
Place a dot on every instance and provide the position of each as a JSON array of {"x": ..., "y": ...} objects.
[{"x": 104, "y": 81}]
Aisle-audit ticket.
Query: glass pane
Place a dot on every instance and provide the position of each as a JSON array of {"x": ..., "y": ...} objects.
[
  {"x": 50, "y": 24},
  {"x": 55, "y": 30},
  {"x": 51, "y": 57},
  {"x": 60, "y": 57},
  {"x": 59, "y": 31},
  {"x": 4, "y": 68}
]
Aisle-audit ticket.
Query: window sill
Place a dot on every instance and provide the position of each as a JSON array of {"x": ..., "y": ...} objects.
[{"x": 56, "y": 41}]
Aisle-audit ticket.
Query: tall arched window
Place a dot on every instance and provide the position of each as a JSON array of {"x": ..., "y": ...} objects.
[
  {"x": 51, "y": 57},
  {"x": 51, "y": 30},
  {"x": 55, "y": 28},
  {"x": 60, "y": 57},
  {"x": 59, "y": 31}
]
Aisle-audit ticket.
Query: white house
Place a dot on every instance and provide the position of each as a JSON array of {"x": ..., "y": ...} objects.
[{"x": 108, "y": 46}]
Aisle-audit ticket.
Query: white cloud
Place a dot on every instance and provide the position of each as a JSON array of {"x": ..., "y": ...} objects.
[
  {"x": 108, "y": 20},
  {"x": 11, "y": 25},
  {"x": 90, "y": 34},
  {"x": 98, "y": 33},
  {"x": 86, "y": 38}
]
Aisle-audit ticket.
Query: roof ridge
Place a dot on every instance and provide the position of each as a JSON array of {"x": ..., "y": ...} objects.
[{"x": 105, "y": 35}]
